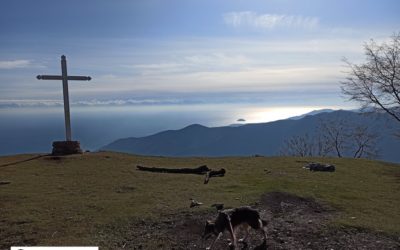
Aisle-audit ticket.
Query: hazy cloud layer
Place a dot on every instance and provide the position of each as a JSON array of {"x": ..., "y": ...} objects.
[
  {"x": 174, "y": 70},
  {"x": 268, "y": 21},
  {"x": 92, "y": 102},
  {"x": 152, "y": 53},
  {"x": 14, "y": 64}
]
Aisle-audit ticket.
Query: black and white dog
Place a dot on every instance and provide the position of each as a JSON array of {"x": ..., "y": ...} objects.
[{"x": 230, "y": 220}]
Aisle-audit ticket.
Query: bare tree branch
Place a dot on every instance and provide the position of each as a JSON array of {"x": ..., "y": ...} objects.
[
  {"x": 364, "y": 142},
  {"x": 334, "y": 137},
  {"x": 299, "y": 145},
  {"x": 376, "y": 83}
]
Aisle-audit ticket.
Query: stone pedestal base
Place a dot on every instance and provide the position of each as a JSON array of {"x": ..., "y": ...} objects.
[{"x": 66, "y": 148}]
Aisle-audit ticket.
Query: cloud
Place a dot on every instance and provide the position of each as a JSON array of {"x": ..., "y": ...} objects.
[
  {"x": 123, "y": 102},
  {"x": 165, "y": 68},
  {"x": 202, "y": 65},
  {"x": 193, "y": 62},
  {"x": 268, "y": 21},
  {"x": 84, "y": 103},
  {"x": 14, "y": 64},
  {"x": 253, "y": 78},
  {"x": 29, "y": 103}
]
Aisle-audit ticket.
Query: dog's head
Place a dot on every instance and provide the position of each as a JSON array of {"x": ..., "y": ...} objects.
[{"x": 209, "y": 229}]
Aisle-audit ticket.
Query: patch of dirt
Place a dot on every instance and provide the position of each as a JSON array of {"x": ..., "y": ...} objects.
[
  {"x": 279, "y": 203},
  {"x": 11, "y": 234},
  {"x": 54, "y": 158},
  {"x": 125, "y": 189},
  {"x": 293, "y": 223}
]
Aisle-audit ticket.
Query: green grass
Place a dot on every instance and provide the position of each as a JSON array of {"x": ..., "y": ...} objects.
[{"x": 66, "y": 201}]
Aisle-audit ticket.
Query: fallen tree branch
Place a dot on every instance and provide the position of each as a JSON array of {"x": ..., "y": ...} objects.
[
  {"x": 202, "y": 170},
  {"x": 212, "y": 173},
  {"x": 199, "y": 170}
]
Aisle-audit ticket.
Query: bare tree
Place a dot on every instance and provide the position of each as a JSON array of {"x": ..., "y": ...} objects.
[
  {"x": 363, "y": 142},
  {"x": 334, "y": 134},
  {"x": 322, "y": 147},
  {"x": 334, "y": 137},
  {"x": 376, "y": 83},
  {"x": 298, "y": 145}
]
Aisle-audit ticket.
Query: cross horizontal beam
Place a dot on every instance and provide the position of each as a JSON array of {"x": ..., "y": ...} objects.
[{"x": 57, "y": 77}]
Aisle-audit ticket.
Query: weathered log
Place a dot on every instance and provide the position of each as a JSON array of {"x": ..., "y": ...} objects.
[
  {"x": 199, "y": 170},
  {"x": 217, "y": 173},
  {"x": 214, "y": 173},
  {"x": 320, "y": 167}
]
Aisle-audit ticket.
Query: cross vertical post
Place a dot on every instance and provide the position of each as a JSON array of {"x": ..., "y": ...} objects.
[
  {"x": 66, "y": 98},
  {"x": 68, "y": 146}
]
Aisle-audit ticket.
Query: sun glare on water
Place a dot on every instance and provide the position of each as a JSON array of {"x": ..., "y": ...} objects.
[{"x": 259, "y": 115}]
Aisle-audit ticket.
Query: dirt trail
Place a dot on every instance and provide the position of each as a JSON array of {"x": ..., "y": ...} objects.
[{"x": 293, "y": 223}]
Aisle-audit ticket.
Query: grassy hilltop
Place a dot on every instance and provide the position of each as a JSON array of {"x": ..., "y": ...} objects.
[{"x": 101, "y": 199}]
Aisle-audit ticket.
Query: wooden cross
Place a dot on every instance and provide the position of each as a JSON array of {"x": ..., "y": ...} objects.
[{"x": 64, "y": 77}]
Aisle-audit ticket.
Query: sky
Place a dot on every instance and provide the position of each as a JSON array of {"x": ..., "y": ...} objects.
[{"x": 267, "y": 59}]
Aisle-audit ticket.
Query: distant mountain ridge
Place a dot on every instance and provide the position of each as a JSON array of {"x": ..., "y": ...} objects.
[
  {"x": 314, "y": 112},
  {"x": 250, "y": 139}
]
